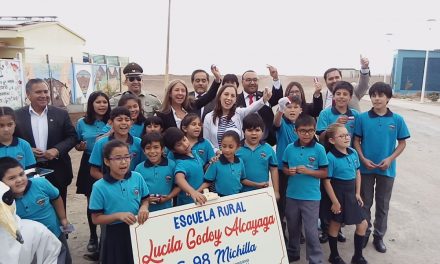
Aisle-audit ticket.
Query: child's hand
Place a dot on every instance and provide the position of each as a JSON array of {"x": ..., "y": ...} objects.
[
  {"x": 127, "y": 218},
  {"x": 359, "y": 200},
  {"x": 198, "y": 197},
  {"x": 342, "y": 119},
  {"x": 214, "y": 159},
  {"x": 64, "y": 222},
  {"x": 291, "y": 171},
  {"x": 153, "y": 199},
  {"x": 301, "y": 169},
  {"x": 262, "y": 185},
  {"x": 336, "y": 208},
  {"x": 384, "y": 164},
  {"x": 142, "y": 215},
  {"x": 369, "y": 164}
]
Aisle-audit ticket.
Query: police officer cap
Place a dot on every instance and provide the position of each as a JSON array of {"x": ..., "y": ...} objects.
[{"x": 133, "y": 69}]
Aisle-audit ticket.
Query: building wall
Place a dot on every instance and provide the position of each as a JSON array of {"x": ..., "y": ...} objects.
[
  {"x": 54, "y": 40},
  {"x": 7, "y": 53}
]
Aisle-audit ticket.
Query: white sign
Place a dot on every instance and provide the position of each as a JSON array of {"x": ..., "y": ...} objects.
[
  {"x": 242, "y": 228},
  {"x": 11, "y": 84}
]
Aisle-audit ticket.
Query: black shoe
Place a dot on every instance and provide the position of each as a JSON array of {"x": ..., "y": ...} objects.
[
  {"x": 358, "y": 260},
  {"x": 366, "y": 238},
  {"x": 302, "y": 239},
  {"x": 336, "y": 260},
  {"x": 323, "y": 237},
  {"x": 294, "y": 258},
  {"x": 379, "y": 245},
  {"x": 92, "y": 246},
  {"x": 341, "y": 237},
  {"x": 92, "y": 256}
]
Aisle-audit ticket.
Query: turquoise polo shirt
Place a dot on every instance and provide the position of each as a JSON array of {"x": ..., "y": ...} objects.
[
  {"x": 159, "y": 179},
  {"x": 20, "y": 150},
  {"x": 342, "y": 166},
  {"x": 35, "y": 204},
  {"x": 135, "y": 129},
  {"x": 226, "y": 176},
  {"x": 285, "y": 135},
  {"x": 88, "y": 133},
  {"x": 379, "y": 136},
  {"x": 97, "y": 159},
  {"x": 312, "y": 156},
  {"x": 330, "y": 115},
  {"x": 203, "y": 148},
  {"x": 110, "y": 196},
  {"x": 192, "y": 168},
  {"x": 257, "y": 162}
]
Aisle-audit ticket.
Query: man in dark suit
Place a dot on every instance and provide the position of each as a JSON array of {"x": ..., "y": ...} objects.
[
  {"x": 200, "y": 81},
  {"x": 50, "y": 132},
  {"x": 251, "y": 94}
]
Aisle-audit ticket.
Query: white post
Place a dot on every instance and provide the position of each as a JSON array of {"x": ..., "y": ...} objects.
[
  {"x": 425, "y": 69},
  {"x": 166, "y": 80},
  {"x": 388, "y": 39}
]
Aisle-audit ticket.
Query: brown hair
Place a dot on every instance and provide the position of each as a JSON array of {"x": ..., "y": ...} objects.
[
  {"x": 330, "y": 132},
  {"x": 218, "y": 111},
  {"x": 166, "y": 105},
  {"x": 301, "y": 89}
]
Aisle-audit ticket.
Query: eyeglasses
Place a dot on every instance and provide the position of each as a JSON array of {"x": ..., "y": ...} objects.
[
  {"x": 308, "y": 131},
  {"x": 344, "y": 136},
  {"x": 131, "y": 79},
  {"x": 120, "y": 159},
  {"x": 251, "y": 80}
]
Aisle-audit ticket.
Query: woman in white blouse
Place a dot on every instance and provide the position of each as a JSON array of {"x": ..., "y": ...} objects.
[{"x": 226, "y": 115}]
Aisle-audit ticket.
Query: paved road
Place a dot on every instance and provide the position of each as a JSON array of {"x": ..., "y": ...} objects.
[{"x": 414, "y": 220}]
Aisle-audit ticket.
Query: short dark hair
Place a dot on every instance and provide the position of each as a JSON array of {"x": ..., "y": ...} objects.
[
  {"x": 296, "y": 100},
  {"x": 118, "y": 111},
  {"x": 381, "y": 88},
  {"x": 304, "y": 120},
  {"x": 253, "y": 121},
  {"x": 7, "y": 163},
  {"x": 150, "y": 138},
  {"x": 343, "y": 85},
  {"x": 156, "y": 120},
  {"x": 331, "y": 70},
  {"x": 112, "y": 144},
  {"x": 31, "y": 83},
  {"x": 171, "y": 136},
  {"x": 233, "y": 134},
  {"x": 230, "y": 78},
  {"x": 197, "y": 71},
  {"x": 90, "y": 116},
  {"x": 129, "y": 96},
  {"x": 188, "y": 119},
  {"x": 244, "y": 73},
  {"x": 7, "y": 111}
]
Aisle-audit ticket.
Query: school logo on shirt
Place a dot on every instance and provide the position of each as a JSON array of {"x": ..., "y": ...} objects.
[
  {"x": 136, "y": 192},
  {"x": 312, "y": 160},
  {"x": 168, "y": 178},
  {"x": 201, "y": 152},
  {"x": 19, "y": 156},
  {"x": 392, "y": 127},
  {"x": 41, "y": 202},
  {"x": 263, "y": 155}
]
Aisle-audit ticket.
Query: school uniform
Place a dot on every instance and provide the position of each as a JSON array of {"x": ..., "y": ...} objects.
[
  {"x": 20, "y": 150},
  {"x": 110, "y": 196},
  {"x": 192, "y": 168},
  {"x": 35, "y": 204},
  {"x": 88, "y": 133},
  {"x": 203, "y": 148},
  {"x": 303, "y": 195},
  {"x": 226, "y": 175},
  {"x": 383, "y": 131},
  {"x": 329, "y": 116},
  {"x": 97, "y": 158},
  {"x": 342, "y": 170},
  {"x": 135, "y": 129},
  {"x": 159, "y": 179},
  {"x": 257, "y": 162}
]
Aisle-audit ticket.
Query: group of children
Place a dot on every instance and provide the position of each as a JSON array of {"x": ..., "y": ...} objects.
[{"x": 130, "y": 166}]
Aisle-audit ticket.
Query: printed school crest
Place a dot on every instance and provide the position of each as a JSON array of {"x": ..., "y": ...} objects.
[
  {"x": 41, "y": 202},
  {"x": 392, "y": 127},
  {"x": 201, "y": 152},
  {"x": 263, "y": 155},
  {"x": 19, "y": 156},
  {"x": 312, "y": 159},
  {"x": 168, "y": 179},
  {"x": 136, "y": 192}
]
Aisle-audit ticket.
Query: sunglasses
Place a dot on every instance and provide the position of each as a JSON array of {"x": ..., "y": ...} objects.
[{"x": 131, "y": 79}]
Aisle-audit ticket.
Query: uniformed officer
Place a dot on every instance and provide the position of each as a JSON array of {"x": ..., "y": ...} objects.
[{"x": 133, "y": 80}]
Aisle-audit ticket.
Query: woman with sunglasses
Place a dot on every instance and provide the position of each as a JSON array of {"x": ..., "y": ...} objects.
[
  {"x": 177, "y": 104},
  {"x": 313, "y": 108}
]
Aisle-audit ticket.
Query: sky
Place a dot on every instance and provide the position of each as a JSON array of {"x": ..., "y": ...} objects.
[{"x": 297, "y": 37}]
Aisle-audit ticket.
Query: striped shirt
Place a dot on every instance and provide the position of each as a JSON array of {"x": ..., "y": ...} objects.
[{"x": 223, "y": 125}]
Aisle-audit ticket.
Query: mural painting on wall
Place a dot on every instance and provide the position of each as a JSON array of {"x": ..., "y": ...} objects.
[
  {"x": 11, "y": 84},
  {"x": 114, "y": 80},
  {"x": 83, "y": 82},
  {"x": 99, "y": 77}
]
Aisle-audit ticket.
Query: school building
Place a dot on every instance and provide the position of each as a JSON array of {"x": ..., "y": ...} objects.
[{"x": 408, "y": 67}]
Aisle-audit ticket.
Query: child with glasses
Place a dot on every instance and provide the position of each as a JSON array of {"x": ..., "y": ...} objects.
[
  {"x": 120, "y": 121},
  {"x": 304, "y": 163},
  {"x": 116, "y": 199},
  {"x": 343, "y": 185}
]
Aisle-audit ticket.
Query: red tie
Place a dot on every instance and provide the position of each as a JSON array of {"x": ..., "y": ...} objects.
[{"x": 251, "y": 99}]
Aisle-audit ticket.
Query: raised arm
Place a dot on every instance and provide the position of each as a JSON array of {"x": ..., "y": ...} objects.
[
  {"x": 364, "y": 79},
  {"x": 277, "y": 88},
  {"x": 243, "y": 112},
  {"x": 212, "y": 92}
]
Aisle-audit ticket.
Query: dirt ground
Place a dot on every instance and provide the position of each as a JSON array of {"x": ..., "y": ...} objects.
[{"x": 413, "y": 226}]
